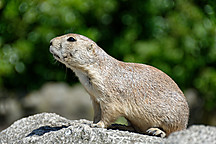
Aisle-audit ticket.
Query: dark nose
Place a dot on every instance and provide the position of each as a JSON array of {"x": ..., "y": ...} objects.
[{"x": 50, "y": 43}]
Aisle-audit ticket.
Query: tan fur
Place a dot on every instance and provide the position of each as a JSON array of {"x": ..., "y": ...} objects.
[{"x": 144, "y": 95}]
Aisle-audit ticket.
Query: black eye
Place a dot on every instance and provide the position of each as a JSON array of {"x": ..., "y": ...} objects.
[{"x": 71, "y": 39}]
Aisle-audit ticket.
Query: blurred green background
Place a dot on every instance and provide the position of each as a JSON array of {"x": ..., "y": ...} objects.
[{"x": 176, "y": 36}]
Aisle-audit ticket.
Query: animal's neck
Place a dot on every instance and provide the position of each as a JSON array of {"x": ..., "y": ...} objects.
[
  {"x": 84, "y": 79},
  {"x": 90, "y": 78},
  {"x": 93, "y": 76}
]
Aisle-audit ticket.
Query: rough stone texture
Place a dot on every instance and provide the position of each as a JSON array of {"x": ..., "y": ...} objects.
[
  {"x": 52, "y": 128},
  {"x": 72, "y": 102},
  {"x": 196, "y": 134}
]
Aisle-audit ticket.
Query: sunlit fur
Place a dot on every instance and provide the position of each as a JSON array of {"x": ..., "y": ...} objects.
[{"x": 144, "y": 95}]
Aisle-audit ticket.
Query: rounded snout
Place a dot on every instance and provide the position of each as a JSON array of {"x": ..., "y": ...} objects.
[
  {"x": 53, "y": 48},
  {"x": 54, "y": 44}
]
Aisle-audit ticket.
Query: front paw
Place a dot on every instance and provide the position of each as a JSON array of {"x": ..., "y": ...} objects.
[{"x": 98, "y": 125}]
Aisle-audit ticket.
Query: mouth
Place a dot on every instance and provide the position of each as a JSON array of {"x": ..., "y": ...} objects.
[{"x": 56, "y": 56}]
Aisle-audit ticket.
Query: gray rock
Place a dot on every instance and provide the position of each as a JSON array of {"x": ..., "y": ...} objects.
[
  {"x": 196, "y": 134},
  {"x": 52, "y": 128},
  {"x": 72, "y": 102}
]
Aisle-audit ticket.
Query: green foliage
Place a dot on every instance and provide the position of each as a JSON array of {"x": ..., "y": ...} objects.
[{"x": 177, "y": 37}]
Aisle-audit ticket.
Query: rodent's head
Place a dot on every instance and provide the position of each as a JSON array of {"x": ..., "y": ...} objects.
[{"x": 73, "y": 50}]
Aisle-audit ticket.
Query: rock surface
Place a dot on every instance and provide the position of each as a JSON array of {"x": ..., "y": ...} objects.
[
  {"x": 52, "y": 128},
  {"x": 72, "y": 102}
]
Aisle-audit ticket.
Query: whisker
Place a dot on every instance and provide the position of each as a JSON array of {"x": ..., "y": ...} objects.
[{"x": 54, "y": 61}]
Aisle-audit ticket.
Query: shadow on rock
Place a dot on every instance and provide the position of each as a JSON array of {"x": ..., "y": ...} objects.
[{"x": 45, "y": 129}]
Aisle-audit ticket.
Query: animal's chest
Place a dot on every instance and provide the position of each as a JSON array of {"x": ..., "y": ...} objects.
[
  {"x": 90, "y": 86},
  {"x": 85, "y": 80}
]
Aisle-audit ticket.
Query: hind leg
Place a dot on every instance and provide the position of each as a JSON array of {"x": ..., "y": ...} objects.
[{"x": 144, "y": 127}]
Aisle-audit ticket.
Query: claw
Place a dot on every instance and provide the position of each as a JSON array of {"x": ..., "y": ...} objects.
[{"x": 156, "y": 132}]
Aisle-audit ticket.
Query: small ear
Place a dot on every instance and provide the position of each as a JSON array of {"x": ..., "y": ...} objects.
[{"x": 90, "y": 47}]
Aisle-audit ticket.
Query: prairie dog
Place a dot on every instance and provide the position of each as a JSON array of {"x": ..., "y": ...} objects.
[{"x": 148, "y": 98}]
